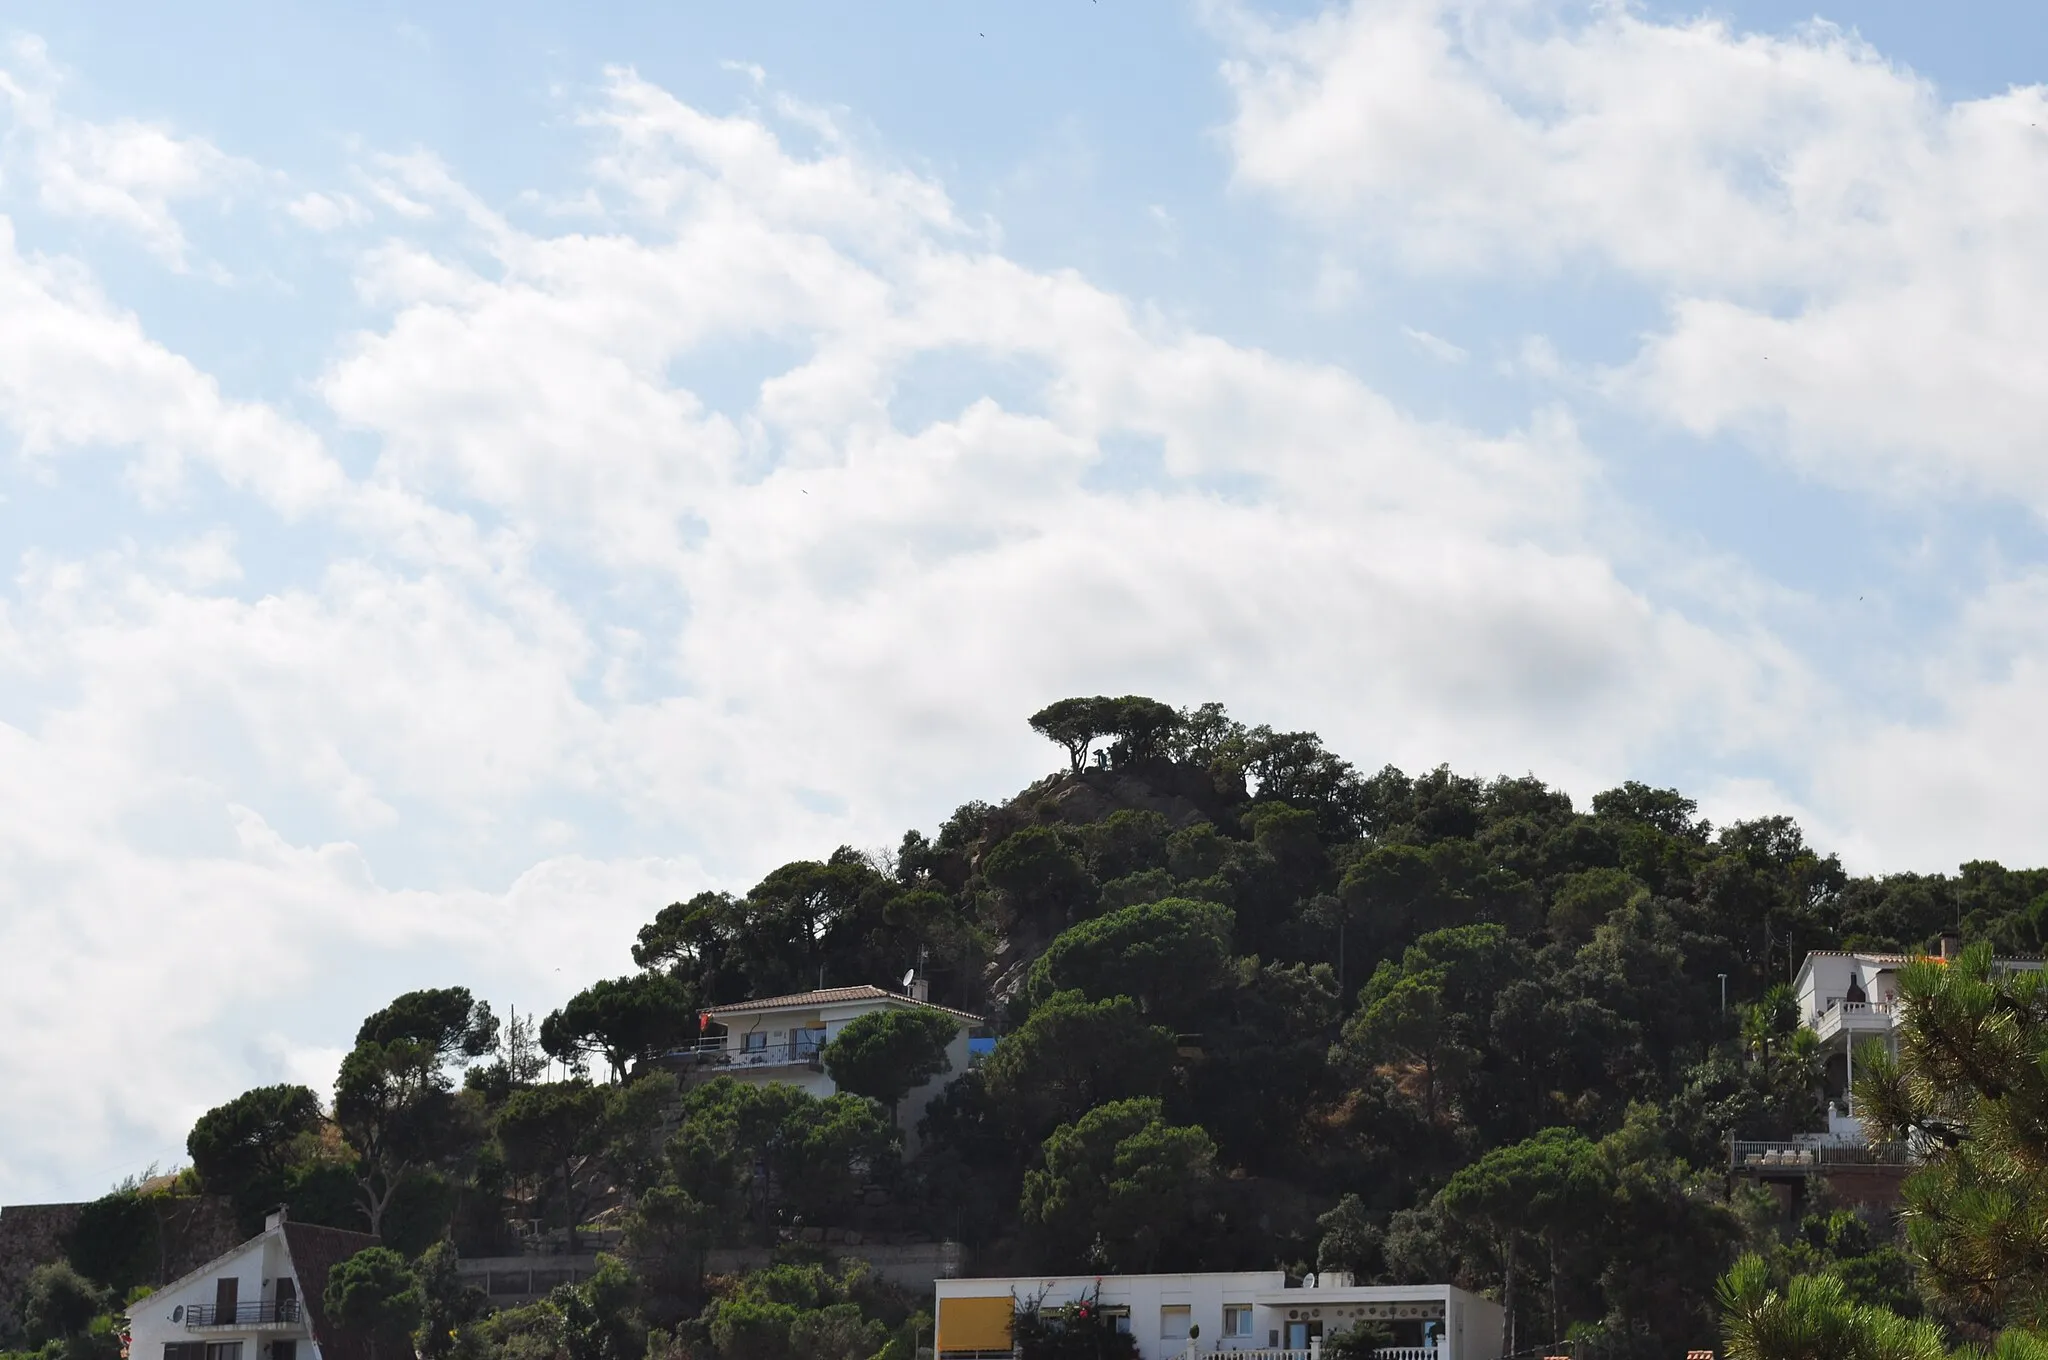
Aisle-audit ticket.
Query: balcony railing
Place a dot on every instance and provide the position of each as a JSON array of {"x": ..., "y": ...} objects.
[
  {"x": 1871, "y": 1016},
  {"x": 1809, "y": 1158},
  {"x": 714, "y": 1053},
  {"x": 203, "y": 1315},
  {"x": 1865, "y": 1007},
  {"x": 1226, "y": 1352},
  {"x": 1199, "y": 1352}
]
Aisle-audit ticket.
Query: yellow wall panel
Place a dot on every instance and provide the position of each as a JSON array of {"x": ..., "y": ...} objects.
[{"x": 975, "y": 1324}]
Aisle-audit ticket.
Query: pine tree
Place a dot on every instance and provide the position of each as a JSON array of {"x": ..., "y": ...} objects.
[{"x": 1969, "y": 1093}]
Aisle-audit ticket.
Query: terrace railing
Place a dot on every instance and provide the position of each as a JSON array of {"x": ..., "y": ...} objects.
[
  {"x": 1862, "y": 1017},
  {"x": 1788, "y": 1158},
  {"x": 714, "y": 1053},
  {"x": 203, "y": 1315}
]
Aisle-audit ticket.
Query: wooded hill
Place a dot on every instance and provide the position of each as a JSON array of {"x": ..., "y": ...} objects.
[{"x": 1256, "y": 1008}]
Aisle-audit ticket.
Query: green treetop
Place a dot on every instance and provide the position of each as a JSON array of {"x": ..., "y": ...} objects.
[{"x": 885, "y": 1055}]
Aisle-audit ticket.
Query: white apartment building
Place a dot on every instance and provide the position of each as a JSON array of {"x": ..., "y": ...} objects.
[
  {"x": 1250, "y": 1315},
  {"x": 782, "y": 1039},
  {"x": 260, "y": 1301}
]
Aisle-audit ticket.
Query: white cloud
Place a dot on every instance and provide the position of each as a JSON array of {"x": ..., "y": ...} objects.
[
  {"x": 326, "y": 212},
  {"x": 1958, "y": 778},
  {"x": 1435, "y": 346},
  {"x": 76, "y": 372},
  {"x": 1850, "y": 262},
  {"x": 125, "y": 173}
]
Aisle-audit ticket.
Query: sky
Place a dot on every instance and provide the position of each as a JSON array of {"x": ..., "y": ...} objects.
[{"x": 470, "y": 476}]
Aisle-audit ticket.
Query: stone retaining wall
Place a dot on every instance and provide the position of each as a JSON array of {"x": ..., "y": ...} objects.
[
  {"x": 513, "y": 1280},
  {"x": 30, "y": 1235},
  {"x": 194, "y": 1229}
]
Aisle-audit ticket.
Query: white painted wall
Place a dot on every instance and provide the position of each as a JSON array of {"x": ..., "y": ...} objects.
[
  {"x": 920, "y": 1099},
  {"x": 781, "y": 1028},
  {"x": 256, "y": 1265},
  {"x": 1825, "y": 977},
  {"x": 1145, "y": 1295},
  {"x": 1473, "y": 1327}
]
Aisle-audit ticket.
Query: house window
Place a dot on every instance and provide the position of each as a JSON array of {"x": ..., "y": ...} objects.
[
  {"x": 1237, "y": 1320},
  {"x": 809, "y": 1041},
  {"x": 1119, "y": 1316},
  {"x": 1173, "y": 1321},
  {"x": 754, "y": 1043},
  {"x": 223, "y": 1350},
  {"x": 184, "y": 1350},
  {"x": 284, "y": 1350}
]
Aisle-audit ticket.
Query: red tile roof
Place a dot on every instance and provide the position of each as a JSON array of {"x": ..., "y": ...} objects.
[
  {"x": 829, "y": 996},
  {"x": 315, "y": 1251}
]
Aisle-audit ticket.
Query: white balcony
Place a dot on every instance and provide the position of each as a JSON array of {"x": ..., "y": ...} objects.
[{"x": 1858, "y": 1018}]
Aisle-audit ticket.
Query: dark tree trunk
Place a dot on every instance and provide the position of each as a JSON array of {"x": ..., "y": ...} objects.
[
  {"x": 1507, "y": 1295},
  {"x": 569, "y": 1202},
  {"x": 1550, "y": 1240}
]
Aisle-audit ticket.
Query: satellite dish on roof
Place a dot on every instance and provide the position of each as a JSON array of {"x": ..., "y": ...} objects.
[{"x": 908, "y": 978}]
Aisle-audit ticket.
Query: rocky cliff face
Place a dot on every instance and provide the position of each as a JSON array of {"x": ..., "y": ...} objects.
[{"x": 1182, "y": 794}]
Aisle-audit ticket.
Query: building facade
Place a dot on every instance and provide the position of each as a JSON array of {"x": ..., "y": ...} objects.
[
  {"x": 781, "y": 1039},
  {"x": 1850, "y": 998},
  {"x": 1254, "y": 1315},
  {"x": 260, "y": 1301}
]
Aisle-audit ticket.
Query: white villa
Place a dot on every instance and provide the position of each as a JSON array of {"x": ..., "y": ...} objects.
[
  {"x": 261, "y": 1301},
  {"x": 1252, "y": 1315},
  {"x": 781, "y": 1038},
  {"x": 1851, "y": 998},
  {"x": 1848, "y": 998}
]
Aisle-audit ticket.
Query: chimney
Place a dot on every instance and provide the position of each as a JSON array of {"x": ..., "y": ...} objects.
[
  {"x": 1951, "y": 944},
  {"x": 920, "y": 990},
  {"x": 275, "y": 1220}
]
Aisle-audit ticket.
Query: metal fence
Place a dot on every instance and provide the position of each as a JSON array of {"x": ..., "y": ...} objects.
[
  {"x": 1805, "y": 1158},
  {"x": 1228, "y": 1353},
  {"x": 241, "y": 1315},
  {"x": 714, "y": 1053}
]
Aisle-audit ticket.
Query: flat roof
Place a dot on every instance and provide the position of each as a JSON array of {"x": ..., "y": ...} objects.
[
  {"x": 1266, "y": 1287},
  {"x": 1354, "y": 1293},
  {"x": 1873, "y": 956}
]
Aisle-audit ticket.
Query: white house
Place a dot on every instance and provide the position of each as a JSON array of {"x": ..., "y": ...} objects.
[
  {"x": 781, "y": 1039},
  {"x": 1849, "y": 998},
  {"x": 261, "y": 1301},
  {"x": 1254, "y": 1315}
]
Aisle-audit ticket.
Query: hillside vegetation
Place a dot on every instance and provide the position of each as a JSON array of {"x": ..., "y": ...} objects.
[{"x": 1256, "y": 1008}]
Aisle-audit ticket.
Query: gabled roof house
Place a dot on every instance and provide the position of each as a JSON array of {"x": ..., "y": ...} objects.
[
  {"x": 781, "y": 1039},
  {"x": 260, "y": 1301}
]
